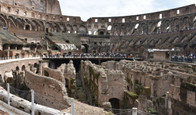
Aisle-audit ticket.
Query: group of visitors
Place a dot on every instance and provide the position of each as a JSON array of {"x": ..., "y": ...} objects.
[
  {"x": 87, "y": 55},
  {"x": 184, "y": 58}
]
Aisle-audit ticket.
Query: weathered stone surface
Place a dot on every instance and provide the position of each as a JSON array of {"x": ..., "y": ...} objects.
[
  {"x": 103, "y": 83},
  {"x": 48, "y": 91},
  {"x": 159, "y": 81}
]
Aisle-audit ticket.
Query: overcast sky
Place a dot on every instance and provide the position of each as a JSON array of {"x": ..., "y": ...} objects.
[{"x": 104, "y": 8}]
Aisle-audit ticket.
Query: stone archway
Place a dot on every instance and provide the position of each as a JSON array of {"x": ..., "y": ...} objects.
[
  {"x": 27, "y": 27},
  {"x": 23, "y": 68},
  {"x": 115, "y": 105},
  {"x": 85, "y": 48}
]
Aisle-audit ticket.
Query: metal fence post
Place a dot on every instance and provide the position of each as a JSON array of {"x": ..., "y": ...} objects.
[
  {"x": 72, "y": 107},
  {"x": 8, "y": 94},
  {"x": 32, "y": 103},
  {"x": 134, "y": 111}
]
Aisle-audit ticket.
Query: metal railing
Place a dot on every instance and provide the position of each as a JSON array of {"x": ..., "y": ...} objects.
[
  {"x": 7, "y": 60},
  {"x": 33, "y": 106}
]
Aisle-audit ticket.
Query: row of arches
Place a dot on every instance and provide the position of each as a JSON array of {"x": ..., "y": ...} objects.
[
  {"x": 66, "y": 28},
  {"x": 37, "y": 25},
  {"x": 154, "y": 26},
  {"x": 129, "y": 28}
]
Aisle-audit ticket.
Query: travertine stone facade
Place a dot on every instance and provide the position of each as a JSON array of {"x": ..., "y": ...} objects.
[
  {"x": 44, "y": 6},
  {"x": 18, "y": 66},
  {"x": 173, "y": 28},
  {"x": 32, "y": 28}
]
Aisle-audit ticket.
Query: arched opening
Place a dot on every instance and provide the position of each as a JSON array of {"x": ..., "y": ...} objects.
[
  {"x": 67, "y": 41},
  {"x": 1, "y": 79},
  {"x": 95, "y": 33},
  {"x": 69, "y": 29},
  {"x": 17, "y": 68},
  {"x": 47, "y": 30},
  {"x": 82, "y": 30},
  {"x": 36, "y": 66},
  {"x": 85, "y": 48},
  {"x": 17, "y": 56},
  {"x": 89, "y": 33},
  {"x": 8, "y": 77},
  {"x": 101, "y": 33},
  {"x": 115, "y": 105},
  {"x": 27, "y": 27},
  {"x": 23, "y": 68},
  {"x": 109, "y": 28},
  {"x": 66, "y": 83},
  {"x": 167, "y": 55},
  {"x": 46, "y": 73}
]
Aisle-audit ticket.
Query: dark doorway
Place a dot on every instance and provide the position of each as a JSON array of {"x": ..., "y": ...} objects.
[
  {"x": 85, "y": 50},
  {"x": 167, "y": 55},
  {"x": 177, "y": 27},
  {"x": 46, "y": 74},
  {"x": 66, "y": 83},
  {"x": 47, "y": 30},
  {"x": 115, "y": 105},
  {"x": 101, "y": 33},
  {"x": 27, "y": 27},
  {"x": 23, "y": 68}
]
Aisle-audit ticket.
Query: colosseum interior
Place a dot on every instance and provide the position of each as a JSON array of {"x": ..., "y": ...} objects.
[{"x": 102, "y": 66}]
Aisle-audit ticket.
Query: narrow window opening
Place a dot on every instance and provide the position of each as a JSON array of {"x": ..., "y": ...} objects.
[
  {"x": 160, "y": 16},
  {"x": 110, "y": 20},
  {"x": 123, "y": 20},
  {"x": 25, "y": 13},
  {"x": 68, "y": 19},
  {"x": 178, "y": 11},
  {"x": 144, "y": 17},
  {"x": 137, "y": 18},
  {"x": 96, "y": 20}
]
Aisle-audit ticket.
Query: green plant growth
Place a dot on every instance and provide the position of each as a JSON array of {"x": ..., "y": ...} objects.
[
  {"x": 133, "y": 95},
  {"x": 152, "y": 110},
  {"x": 138, "y": 87},
  {"x": 129, "y": 81},
  {"x": 110, "y": 113}
]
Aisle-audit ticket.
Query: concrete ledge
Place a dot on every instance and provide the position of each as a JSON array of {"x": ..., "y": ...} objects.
[
  {"x": 11, "y": 110},
  {"x": 19, "y": 59}
]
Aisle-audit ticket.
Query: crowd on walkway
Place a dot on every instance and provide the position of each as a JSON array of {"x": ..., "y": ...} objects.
[
  {"x": 88, "y": 55},
  {"x": 184, "y": 58}
]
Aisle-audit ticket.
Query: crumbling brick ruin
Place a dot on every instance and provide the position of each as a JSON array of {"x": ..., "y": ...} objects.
[
  {"x": 151, "y": 86},
  {"x": 161, "y": 82}
]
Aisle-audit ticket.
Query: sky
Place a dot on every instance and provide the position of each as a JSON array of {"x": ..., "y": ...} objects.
[{"x": 106, "y": 8}]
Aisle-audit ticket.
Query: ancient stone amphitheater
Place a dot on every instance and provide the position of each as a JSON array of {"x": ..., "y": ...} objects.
[{"x": 108, "y": 65}]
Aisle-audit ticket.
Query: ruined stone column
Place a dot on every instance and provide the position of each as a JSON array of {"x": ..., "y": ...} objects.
[{"x": 8, "y": 52}]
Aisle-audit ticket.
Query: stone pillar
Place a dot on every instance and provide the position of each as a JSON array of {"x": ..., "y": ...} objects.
[
  {"x": 52, "y": 64},
  {"x": 40, "y": 68},
  {"x": 8, "y": 51},
  {"x": 45, "y": 63},
  {"x": 35, "y": 49},
  {"x": 99, "y": 61}
]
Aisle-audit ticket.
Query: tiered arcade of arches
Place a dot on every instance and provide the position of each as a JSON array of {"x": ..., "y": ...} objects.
[{"x": 169, "y": 20}]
